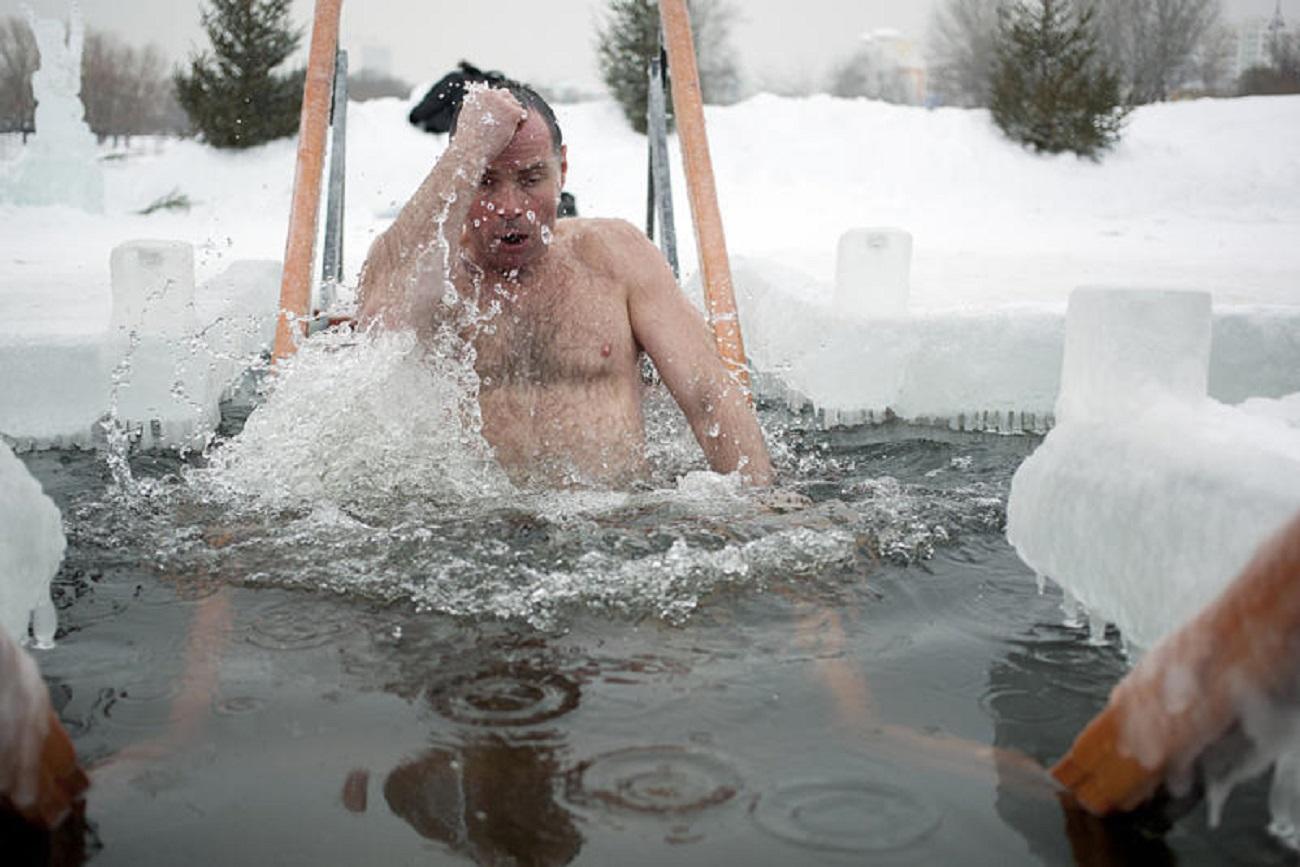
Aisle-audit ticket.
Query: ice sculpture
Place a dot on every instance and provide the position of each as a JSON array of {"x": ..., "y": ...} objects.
[{"x": 59, "y": 166}]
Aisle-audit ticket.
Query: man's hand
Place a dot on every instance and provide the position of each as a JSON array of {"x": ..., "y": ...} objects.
[{"x": 489, "y": 118}]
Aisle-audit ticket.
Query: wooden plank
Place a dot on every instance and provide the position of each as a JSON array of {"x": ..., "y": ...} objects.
[
  {"x": 295, "y": 284},
  {"x": 1243, "y": 644},
  {"x": 688, "y": 107}
]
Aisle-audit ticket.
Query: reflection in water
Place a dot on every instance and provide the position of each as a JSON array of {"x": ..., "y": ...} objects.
[
  {"x": 500, "y": 770},
  {"x": 1043, "y": 680},
  {"x": 490, "y": 799},
  {"x": 23, "y": 845}
]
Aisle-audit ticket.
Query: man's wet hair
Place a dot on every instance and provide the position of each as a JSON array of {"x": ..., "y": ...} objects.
[{"x": 530, "y": 99}]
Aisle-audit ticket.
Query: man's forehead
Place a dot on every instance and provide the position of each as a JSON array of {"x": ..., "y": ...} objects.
[{"x": 531, "y": 145}]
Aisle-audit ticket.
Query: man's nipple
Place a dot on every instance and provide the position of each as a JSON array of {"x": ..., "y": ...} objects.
[{"x": 605, "y": 350}]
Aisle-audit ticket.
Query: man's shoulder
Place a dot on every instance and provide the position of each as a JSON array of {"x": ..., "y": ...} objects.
[
  {"x": 598, "y": 234},
  {"x": 604, "y": 243}
]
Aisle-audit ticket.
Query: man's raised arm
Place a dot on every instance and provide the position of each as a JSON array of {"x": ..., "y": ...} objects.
[
  {"x": 675, "y": 335},
  {"x": 403, "y": 278}
]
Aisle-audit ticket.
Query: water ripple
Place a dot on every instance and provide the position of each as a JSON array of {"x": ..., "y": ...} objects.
[
  {"x": 658, "y": 780},
  {"x": 291, "y": 626},
  {"x": 511, "y": 695},
  {"x": 849, "y": 816}
]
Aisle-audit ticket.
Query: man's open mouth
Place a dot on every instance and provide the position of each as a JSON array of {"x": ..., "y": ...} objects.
[{"x": 514, "y": 239}]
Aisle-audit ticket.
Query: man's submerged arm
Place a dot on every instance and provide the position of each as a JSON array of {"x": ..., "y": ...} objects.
[
  {"x": 675, "y": 335},
  {"x": 402, "y": 280}
]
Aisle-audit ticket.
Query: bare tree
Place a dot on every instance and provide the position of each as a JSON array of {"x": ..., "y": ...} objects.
[
  {"x": 866, "y": 74},
  {"x": 18, "y": 60},
  {"x": 126, "y": 90},
  {"x": 367, "y": 84},
  {"x": 1152, "y": 42},
  {"x": 1281, "y": 75},
  {"x": 796, "y": 82},
  {"x": 720, "y": 77},
  {"x": 1211, "y": 61},
  {"x": 963, "y": 51},
  {"x": 1284, "y": 51}
]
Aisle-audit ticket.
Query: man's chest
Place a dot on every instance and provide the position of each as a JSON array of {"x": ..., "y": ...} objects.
[{"x": 555, "y": 335}]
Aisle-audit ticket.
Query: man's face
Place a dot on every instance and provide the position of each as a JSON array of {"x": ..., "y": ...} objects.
[{"x": 513, "y": 214}]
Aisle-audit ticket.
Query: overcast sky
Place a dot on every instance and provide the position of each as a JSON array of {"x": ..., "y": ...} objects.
[{"x": 547, "y": 41}]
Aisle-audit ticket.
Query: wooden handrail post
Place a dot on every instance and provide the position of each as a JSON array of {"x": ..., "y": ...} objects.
[
  {"x": 688, "y": 107},
  {"x": 295, "y": 284}
]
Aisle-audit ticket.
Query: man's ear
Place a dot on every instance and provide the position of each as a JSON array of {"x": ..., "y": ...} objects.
[{"x": 564, "y": 163}]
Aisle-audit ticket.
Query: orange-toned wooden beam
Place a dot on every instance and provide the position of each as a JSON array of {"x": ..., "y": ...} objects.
[
  {"x": 59, "y": 782},
  {"x": 1245, "y": 640},
  {"x": 295, "y": 284},
  {"x": 689, "y": 110}
]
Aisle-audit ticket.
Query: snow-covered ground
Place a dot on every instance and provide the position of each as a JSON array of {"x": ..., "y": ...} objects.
[{"x": 1200, "y": 195}]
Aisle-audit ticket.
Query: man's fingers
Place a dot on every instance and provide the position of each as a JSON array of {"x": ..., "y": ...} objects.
[{"x": 495, "y": 102}]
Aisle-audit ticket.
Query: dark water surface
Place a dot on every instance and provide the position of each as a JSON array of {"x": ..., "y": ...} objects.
[{"x": 880, "y": 706}]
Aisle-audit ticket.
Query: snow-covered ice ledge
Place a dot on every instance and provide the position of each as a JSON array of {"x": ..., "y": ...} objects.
[
  {"x": 160, "y": 364},
  {"x": 996, "y": 369},
  {"x": 31, "y": 547},
  {"x": 1149, "y": 497}
]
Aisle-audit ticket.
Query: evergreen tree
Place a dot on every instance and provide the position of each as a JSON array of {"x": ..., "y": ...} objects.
[
  {"x": 233, "y": 96},
  {"x": 628, "y": 39},
  {"x": 625, "y": 44},
  {"x": 1050, "y": 90}
]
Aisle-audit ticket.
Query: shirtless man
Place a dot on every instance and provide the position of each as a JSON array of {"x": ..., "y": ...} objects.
[{"x": 558, "y": 310}]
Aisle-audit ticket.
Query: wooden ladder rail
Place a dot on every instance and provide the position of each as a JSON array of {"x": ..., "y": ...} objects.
[
  {"x": 688, "y": 109},
  {"x": 295, "y": 283}
]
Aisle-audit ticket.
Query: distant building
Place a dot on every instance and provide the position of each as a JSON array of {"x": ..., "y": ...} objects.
[{"x": 1255, "y": 38}]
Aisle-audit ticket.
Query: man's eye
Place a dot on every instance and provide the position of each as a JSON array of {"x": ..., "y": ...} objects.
[
  {"x": 487, "y": 182},
  {"x": 532, "y": 180}
]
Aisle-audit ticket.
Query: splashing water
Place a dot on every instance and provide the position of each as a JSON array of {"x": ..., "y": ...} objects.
[
  {"x": 355, "y": 420},
  {"x": 363, "y": 471}
]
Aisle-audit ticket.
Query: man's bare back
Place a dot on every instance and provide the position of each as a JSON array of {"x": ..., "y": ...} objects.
[{"x": 561, "y": 310}]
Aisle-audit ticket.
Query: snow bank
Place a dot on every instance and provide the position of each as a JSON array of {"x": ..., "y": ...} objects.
[
  {"x": 31, "y": 546},
  {"x": 1202, "y": 195}
]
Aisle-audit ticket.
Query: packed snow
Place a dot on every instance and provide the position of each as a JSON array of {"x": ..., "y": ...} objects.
[{"x": 1201, "y": 195}]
